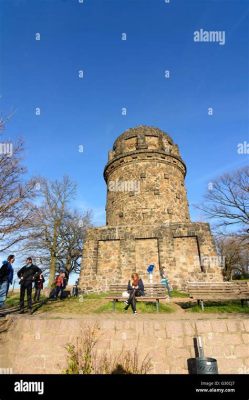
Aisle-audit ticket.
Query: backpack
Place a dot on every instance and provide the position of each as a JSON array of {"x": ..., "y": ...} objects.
[{"x": 4, "y": 272}]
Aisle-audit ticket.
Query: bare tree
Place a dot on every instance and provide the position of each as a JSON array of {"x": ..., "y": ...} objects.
[
  {"x": 15, "y": 197},
  {"x": 4, "y": 119},
  {"x": 234, "y": 251},
  {"x": 71, "y": 238},
  {"x": 57, "y": 233},
  {"x": 227, "y": 201},
  {"x": 57, "y": 195}
]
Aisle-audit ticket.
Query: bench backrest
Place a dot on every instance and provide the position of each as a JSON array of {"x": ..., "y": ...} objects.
[
  {"x": 150, "y": 289},
  {"x": 218, "y": 289}
]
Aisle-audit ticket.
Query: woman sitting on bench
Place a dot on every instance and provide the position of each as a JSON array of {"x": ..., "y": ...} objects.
[{"x": 135, "y": 288}]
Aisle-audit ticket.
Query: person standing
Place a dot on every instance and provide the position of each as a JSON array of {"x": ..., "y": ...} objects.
[
  {"x": 75, "y": 290},
  {"x": 165, "y": 281},
  {"x": 135, "y": 288},
  {"x": 38, "y": 286},
  {"x": 6, "y": 278},
  {"x": 59, "y": 285},
  {"x": 27, "y": 275}
]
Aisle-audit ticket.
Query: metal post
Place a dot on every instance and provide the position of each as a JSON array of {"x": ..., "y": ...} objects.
[
  {"x": 157, "y": 305},
  {"x": 200, "y": 347},
  {"x": 202, "y": 305}
]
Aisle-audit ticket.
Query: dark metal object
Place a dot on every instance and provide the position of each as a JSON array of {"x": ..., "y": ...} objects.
[
  {"x": 201, "y": 364},
  {"x": 206, "y": 365}
]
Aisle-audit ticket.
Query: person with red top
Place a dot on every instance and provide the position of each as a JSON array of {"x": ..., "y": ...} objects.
[
  {"x": 59, "y": 284},
  {"x": 135, "y": 288}
]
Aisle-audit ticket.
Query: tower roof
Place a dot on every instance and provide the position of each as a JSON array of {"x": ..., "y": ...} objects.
[{"x": 142, "y": 130}]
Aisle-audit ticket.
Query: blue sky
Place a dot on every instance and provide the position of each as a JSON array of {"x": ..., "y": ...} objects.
[{"x": 87, "y": 36}]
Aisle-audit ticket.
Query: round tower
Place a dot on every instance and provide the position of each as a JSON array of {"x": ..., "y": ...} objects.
[{"x": 145, "y": 179}]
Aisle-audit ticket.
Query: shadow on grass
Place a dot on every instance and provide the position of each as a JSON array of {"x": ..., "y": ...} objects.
[
  {"x": 13, "y": 300},
  {"x": 216, "y": 307}
]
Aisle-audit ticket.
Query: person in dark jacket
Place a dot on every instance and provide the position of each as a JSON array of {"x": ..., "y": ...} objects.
[
  {"x": 6, "y": 278},
  {"x": 38, "y": 286},
  {"x": 135, "y": 288},
  {"x": 27, "y": 275}
]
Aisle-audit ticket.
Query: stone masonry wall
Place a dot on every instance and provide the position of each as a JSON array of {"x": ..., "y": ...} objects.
[
  {"x": 155, "y": 195},
  {"x": 37, "y": 346},
  {"x": 112, "y": 254}
]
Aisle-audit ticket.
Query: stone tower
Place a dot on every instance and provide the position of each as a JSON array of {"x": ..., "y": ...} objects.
[
  {"x": 147, "y": 218},
  {"x": 145, "y": 159}
]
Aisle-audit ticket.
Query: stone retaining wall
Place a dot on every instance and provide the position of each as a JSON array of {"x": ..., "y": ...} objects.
[{"x": 38, "y": 345}]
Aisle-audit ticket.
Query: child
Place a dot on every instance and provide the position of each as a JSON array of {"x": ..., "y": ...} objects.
[{"x": 38, "y": 287}]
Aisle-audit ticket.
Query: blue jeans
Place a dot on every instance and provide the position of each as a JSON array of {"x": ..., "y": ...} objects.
[{"x": 4, "y": 286}]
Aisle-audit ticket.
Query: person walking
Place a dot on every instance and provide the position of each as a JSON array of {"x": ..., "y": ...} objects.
[
  {"x": 135, "y": 288},
  {"x": 27, "y": 275},
  {"x": 6, "y": 278},
  {"x": 38, "y": 287}
]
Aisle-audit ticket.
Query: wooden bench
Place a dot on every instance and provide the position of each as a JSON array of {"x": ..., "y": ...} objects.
[
  {"x": 153, "y": 294},
  {"x": 219, "y": 291}
]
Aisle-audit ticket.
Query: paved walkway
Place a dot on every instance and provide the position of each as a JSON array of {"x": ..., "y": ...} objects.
[{"x": 176, "y": 316}]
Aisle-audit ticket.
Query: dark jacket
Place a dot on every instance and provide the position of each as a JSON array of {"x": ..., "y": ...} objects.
[
  {"x": 39, "y": 280},
  {"x": 65, "y": 280},
  {"x": 28, "y": 274},
  {"x": 140, "y": 286},
  {"x": 6, "y": 272}
]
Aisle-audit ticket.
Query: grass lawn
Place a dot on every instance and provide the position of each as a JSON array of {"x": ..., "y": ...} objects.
[
  {"x": 217, "y": 307},
  {"x": 96, "y": 303},
  {"x": 177, "y": 293},
  {"x": 91, "y": 304},
  {"x": 141, "y": 308},
  {"x": 102, "y": 295},
  {"x": 14, "y": 299},
  {"x": 174, "y": 293}
]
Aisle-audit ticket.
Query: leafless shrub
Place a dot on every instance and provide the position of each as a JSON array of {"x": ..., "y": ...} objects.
[{"x": 83, "y": 357}]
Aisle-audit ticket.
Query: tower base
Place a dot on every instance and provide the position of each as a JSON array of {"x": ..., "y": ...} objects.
[{"x": 185, "y": 251}]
